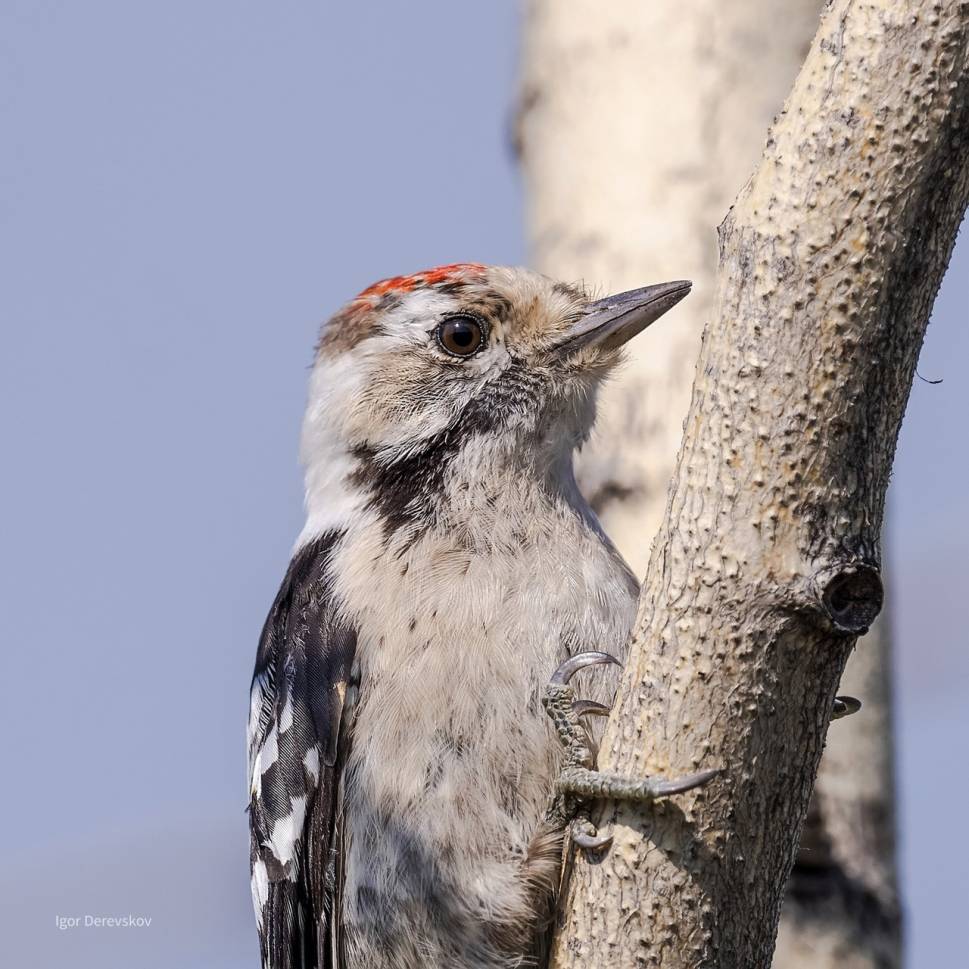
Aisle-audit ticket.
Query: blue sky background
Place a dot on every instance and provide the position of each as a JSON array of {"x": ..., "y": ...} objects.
[{"x": 186, "y": 190}]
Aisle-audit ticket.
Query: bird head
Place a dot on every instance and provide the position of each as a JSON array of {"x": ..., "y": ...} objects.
[{"x": 462, "y": 370}]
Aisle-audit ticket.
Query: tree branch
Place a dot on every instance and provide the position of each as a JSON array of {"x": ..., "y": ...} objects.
[{"x": 766, "y": 567}]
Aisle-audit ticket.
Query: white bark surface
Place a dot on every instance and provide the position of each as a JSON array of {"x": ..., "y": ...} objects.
[{"x": 830, "y": 261}]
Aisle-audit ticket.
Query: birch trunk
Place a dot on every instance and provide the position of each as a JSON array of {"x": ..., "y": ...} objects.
[
  {"x": 765, "y": 568},
  {"x": 639, "y": 122}
]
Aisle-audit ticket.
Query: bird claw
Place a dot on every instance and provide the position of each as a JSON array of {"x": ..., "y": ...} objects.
[
  {"x": 564, "y": 709},
  {"x": 579, "y": 781},
  {"x": 585, "y": 835},
  {"x": 845, "y": 706},
  {"x": 578, "y": 662},
  {"x": 589, "y": 708}
]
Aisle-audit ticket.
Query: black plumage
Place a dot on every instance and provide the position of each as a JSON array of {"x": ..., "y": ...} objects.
[{"x": 300, "y": 686}]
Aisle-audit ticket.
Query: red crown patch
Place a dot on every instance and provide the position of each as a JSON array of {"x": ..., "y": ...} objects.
[{"x": 418, "y": 280}]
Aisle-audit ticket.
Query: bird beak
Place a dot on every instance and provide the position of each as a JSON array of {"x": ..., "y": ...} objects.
[{"x": 609, "y": 323}]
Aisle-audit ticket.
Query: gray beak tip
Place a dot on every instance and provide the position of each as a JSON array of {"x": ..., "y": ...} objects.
[{"x": 610, "y": 322}]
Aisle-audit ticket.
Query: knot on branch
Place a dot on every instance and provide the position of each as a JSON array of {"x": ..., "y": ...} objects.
[{"x": 850, "y": 595}]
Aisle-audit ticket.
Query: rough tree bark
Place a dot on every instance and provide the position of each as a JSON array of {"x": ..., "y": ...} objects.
[
  {"x": 638, "y": 122},
  {"x": 765, "y": 567}
]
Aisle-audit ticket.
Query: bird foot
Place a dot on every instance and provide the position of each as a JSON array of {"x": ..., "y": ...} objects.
[{"x": 579, "y": 782}]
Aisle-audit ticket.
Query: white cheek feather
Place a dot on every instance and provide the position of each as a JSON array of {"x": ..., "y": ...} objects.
[
  {"x": 407, "y": 406},
  {"x": 396, "y": 363},
  {"x": 287, "y": 831}
]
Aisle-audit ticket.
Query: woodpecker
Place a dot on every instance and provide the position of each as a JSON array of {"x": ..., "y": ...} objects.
[{"x": 410, "y": 797}]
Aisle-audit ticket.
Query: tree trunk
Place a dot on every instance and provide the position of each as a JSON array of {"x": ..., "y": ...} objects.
[
  {"x": 841, "y": 906},
  {"x": 639, "y": 121},
  {"x": 765, "y": 567}
]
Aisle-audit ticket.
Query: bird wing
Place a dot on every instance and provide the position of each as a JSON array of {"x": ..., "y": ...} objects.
[{"x": 297, "y": 739}]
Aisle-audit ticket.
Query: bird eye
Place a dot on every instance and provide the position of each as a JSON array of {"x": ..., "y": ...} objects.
[{"x": 460, "y": 336}]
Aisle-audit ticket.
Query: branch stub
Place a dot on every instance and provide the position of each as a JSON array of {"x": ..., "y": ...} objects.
[{"x": 851, "y": 596}]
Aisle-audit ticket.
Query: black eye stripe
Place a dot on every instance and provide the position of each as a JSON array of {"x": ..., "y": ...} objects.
[{"x": 461, "y": 335}]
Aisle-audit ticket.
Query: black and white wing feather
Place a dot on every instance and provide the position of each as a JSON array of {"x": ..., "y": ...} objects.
[{"x": 297, "y": 733}]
